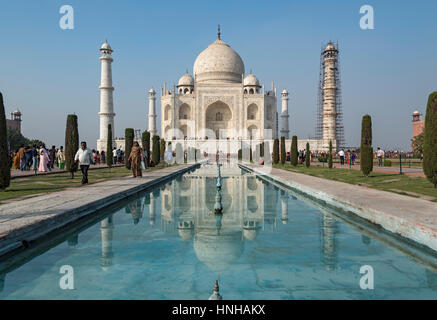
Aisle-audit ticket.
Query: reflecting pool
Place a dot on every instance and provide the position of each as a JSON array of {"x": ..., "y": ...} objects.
[{"x": 167, "y": 243}]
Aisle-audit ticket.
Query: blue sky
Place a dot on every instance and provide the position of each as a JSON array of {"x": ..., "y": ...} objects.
[{"x": 48, "y": 72}]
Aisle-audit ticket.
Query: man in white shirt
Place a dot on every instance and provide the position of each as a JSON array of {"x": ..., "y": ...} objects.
[
  {"x": 85, "y": 157},
  {"x": 380, "y": 155},
  {"x": 341, "y": 155},
  {"x": 114, "y": 156}
]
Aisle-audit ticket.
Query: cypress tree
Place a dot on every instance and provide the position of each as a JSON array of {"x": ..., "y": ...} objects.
[
  {"x": 128, "y": 143},
  {"x": 109, "y": 156},
  {"x": 293, "y": 152},
  {"x": 145, "y": 140},
  {"x": 283, "y": 152},
  {"x": 430, "y": 140},
  {"x": 330, "y": 155},
  {"x": 307, "y": 156},
  {"x": 155, "y": 149},
  {"x": 162, "y": 149},
  {"x": 5, "y": 169},
  {"x": 276, "y": 151},
  {"x": 71, "y": 143},
  {"x": 366, "y": 149}
]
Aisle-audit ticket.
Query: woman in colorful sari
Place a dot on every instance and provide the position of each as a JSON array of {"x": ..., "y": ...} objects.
[
  {"x": 135, "y": 159},
  {"x": 43, "y": 160},
  {"x": 16, "y": 160}
]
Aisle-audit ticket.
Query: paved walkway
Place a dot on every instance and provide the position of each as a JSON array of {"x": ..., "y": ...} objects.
[
  {"x": 415, "y": 172},
  {"x": 412, "y": 218},
  {"x": 21, "y": 174},
  {"x": 33, "y": 218}
]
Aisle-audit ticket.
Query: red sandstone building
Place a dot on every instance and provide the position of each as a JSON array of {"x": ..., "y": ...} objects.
[
  {"x": 15, "y": 121},
  {"x": 418, "y": 124}
]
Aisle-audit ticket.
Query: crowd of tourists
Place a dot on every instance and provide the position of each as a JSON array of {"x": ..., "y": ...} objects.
[{"x": 37, "y": 158}]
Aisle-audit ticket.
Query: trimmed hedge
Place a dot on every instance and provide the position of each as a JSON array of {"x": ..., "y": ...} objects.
[
  {"x": 145, "y": 141},
  {"x": 283, "y": 151},
  {"x": 294, "y": 152},
  {"x": 366, "y": 150},
  {"x": 71, "y": 143},
  {"x": 155, "y": 149},
  {"x": 430, "y": 140},
  {"x": 276, "y": 151},
  {"x": 129, "y": 141},
  {"x": 5, "y": 170},
  {"x": 330, "y": 155}
]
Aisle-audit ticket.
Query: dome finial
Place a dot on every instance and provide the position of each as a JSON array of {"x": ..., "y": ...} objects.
[{"x": 218, "y": 32}]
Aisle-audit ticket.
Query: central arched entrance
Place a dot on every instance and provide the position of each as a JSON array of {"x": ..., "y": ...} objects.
[{"x": 218, "y": 116}]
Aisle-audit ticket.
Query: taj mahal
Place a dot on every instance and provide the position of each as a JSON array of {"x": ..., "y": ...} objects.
[{"x": 220, "y": 102}]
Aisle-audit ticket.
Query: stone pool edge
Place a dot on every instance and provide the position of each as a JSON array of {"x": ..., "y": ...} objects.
[
  {"x": 17, "y": 238},
  {"x": 415, "y": 231}
]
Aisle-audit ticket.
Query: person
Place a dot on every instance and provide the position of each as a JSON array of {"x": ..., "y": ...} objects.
[
  {"x": 103, "y": 157},
  {"x": 114, "y": 156},
  {"x": 44, "y": 160},
  {"x": 28, "y": 156},
  {"x": 84, "y": 157},
  {"x": 353, "y": 157},
  {"x": 52, "y": 157},
  {"x": 97, "y": 161},
  {"x": 34, "y": 159},
  {"x": 21, "y": 155},
  {"x": 61, "y": 158},
  {"x": 135, "y": 160},
  {"x": 380, "y": 155},
  {"x": 341, "y": 155},
  {"x": 16, "y": 160}
]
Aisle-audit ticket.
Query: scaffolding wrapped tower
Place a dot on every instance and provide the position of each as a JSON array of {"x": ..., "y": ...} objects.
[{"x": 329, "y": 105}]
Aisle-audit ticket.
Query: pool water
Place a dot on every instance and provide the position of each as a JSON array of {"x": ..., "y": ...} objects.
[{"x": 167, "y": 243}]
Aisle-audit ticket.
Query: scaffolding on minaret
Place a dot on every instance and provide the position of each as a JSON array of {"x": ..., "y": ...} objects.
[{"x": 339, "y": 118}]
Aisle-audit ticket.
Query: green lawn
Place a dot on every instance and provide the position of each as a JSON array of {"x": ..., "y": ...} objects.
[
  {"x": 26, "y": 187},
  {"x": 417, "y": 187}
]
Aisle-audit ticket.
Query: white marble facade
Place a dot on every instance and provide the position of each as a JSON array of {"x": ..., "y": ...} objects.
[{"x": 218, "y": 102}]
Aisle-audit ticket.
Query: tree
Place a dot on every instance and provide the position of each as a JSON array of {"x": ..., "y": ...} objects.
[
  {"x": 366, "y": 149},
  {"x": 145, "y": 140},
  {"x": 330, "y": 155},
  {"x": 15, "y": 139},
  {"x": 129, "y": 142},
  {"x": 430, "y": 140},
  {"x": 162, "y": 149},
  {"x": 293, "y": 151},
  {"x": 71, "y": 143},
  {"x": 5, "y": 170},
  {"x": 276, "y": 151},
  {"x": 109, "y": 156},
  {"x": 418, "y": 143},
  {"x": 155, "y": 149},
  {"x": 307, "y": 156},
  {"x": 283, "y": 152}
]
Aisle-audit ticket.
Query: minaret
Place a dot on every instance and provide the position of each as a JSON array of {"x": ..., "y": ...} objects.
[
  {"x": 329, "y": 115},
  {"x": 152, "y": 113},
  {"x": 106, "y": 230},
  {"x": 106, "y": 113},
  {"x": 285, "y": 132}
]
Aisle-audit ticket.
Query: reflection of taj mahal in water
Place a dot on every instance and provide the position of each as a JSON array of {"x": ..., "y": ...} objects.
[{"x": 186, "y": 207}]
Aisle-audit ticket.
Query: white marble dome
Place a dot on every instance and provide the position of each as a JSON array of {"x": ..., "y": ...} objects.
[
  {"x": 218, "y": 63},
  {"x": 186, "y": 80},
  {"x": 330, "y": 46},
  {"x": 251, "y": 80},
  {"x": 106, "y": 46}
]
